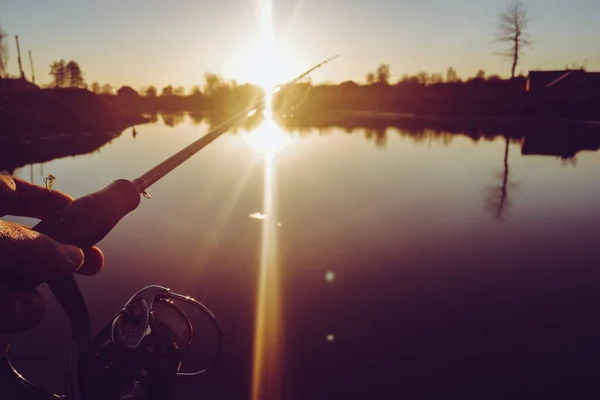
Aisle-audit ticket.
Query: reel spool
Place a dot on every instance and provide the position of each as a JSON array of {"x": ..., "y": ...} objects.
[{"x": 137, "y": 355}]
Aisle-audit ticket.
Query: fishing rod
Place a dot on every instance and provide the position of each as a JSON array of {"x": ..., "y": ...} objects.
[{"x": 119, "y": 359}]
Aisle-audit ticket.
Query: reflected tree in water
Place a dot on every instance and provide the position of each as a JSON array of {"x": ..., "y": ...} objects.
[
  {"x": 569, "y": 162},
  {"x": 196, "y": 118},
  {"x": 498, "y": 200},
  {"x": 379, "y": 134},
  {"x": 172, "y": 119}
]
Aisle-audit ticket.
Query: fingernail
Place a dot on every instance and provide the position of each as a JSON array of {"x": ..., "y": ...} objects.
[{"x": 75, "y": 254}]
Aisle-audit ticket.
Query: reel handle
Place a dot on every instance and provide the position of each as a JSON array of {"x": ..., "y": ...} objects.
[
  {"x": 84, "y": 222},
  {"x": 87, "y": 220}
]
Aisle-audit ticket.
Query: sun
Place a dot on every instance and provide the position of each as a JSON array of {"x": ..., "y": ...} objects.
[{"x": 265, "y": 61}]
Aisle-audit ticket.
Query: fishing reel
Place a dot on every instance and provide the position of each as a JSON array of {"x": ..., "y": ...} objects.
[{"x": 139, "y": 352}]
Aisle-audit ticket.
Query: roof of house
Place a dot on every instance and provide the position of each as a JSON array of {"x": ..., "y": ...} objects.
[{"x": 538, "y": 80}]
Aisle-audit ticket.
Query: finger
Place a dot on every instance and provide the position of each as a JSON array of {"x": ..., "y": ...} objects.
[
  {"x": 23, "y": 199},
  {"x": 31, "y": 256},
  {"x": 94, "y": 260},
  {"x": 20, "y": 310}
]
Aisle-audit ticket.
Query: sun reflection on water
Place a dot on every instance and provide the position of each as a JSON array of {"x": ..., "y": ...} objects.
[{"x": 268, "y": 139}]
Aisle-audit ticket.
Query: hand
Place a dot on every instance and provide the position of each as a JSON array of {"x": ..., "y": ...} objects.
[{"x": 31, "y": 258}]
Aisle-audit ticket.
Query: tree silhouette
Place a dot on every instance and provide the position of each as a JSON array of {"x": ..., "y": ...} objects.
[
  {"x": 451, "y": 75},
  {"x": 383, "y": 74},
  {"x": 73, "y": 75},
  {"x": 423, "y": 78},
  {"x": 512, "y": 27},
  {"x": 178, "y": 91},
  {"x": 58, "y": 70},
  {"x": 437, "y": 78},
  {"x": 167, "y": 91},
  {"x": 107, "y": 89},
  {"x": 195, "y": 91},
  {"x": 3, "y": 52},
  {"x": 151, "y": 91},
  {"x": 371, "y": 78},
  {"x": 212, "y": 83},
  {"x": 480, "y": 75},
  {"x": 95, "y": 87}
]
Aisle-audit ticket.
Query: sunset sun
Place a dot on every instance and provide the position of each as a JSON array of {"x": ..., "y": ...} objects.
[{"x": 265, "y": 61}]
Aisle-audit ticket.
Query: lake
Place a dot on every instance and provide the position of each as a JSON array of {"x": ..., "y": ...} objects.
[{"x": 376, "y": 265}]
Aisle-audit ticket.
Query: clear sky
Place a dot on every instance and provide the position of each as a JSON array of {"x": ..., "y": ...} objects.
[{"x": 142, "y": 42}]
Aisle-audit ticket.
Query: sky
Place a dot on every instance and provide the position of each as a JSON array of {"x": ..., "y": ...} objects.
[{"x": 143, "y": 42}]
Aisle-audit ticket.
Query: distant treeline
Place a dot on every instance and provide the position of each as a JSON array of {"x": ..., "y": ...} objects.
[
  {"x": 423, "y": 93},
  {"x": 217, "y": 95}
]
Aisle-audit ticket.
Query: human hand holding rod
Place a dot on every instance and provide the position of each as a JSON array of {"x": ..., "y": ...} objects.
[{"x": 30, "y": 258}]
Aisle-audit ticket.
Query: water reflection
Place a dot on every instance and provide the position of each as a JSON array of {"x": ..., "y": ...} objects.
[
  {"x": 544, "y": 140},
  {"x": 422, "y": 277},
  {"x": 268, "y": 139},
  {"x": 15, "y": 153},
  {"x": 498, "y": 201},
  {"x": 564, "y": 143}
]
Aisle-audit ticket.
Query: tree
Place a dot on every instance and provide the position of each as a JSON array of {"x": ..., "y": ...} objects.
[
  {"x": 151, "y": 91},
  {"x": 73, "y": 75},
  {"x": 95, "y": 87},
  {"x": 195, "y": 91},
  {"x": 480, "y": 75},
  {"x": 423, "y": 78},
  {"x": 370, "y": 78},
  {"x": 212, "y": 83},
  {"x": 167, "y": 91},
  {"x": 512, "y": 29},
  {"x": 383, "y": 74},
  {"x": 437, "y": 78},
  {"x": 451, "y": 75},
  {"x": 179, "y": 91},
  {"x": 3, "y": 52},
  {"x": 107, "y": 89},
  {"x": 58, "y": 70}
]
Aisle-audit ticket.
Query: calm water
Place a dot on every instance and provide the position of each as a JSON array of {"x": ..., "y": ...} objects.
[{"x": 416, "y": 268}]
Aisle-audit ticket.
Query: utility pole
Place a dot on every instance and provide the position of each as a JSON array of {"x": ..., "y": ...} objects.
[
  {"x": 31, "y": 62},
  {"x": 19, "y": 55}
]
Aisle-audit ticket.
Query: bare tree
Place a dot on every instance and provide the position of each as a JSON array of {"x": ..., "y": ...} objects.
[
  {"x": 3, "y": 52},
  {"x": 512, "y": 27}
]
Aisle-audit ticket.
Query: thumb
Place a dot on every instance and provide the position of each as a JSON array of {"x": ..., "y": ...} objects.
[{"x": 30, "y": 255}]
